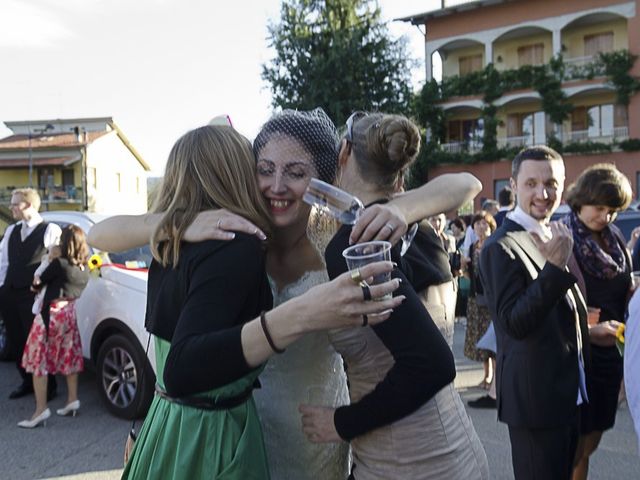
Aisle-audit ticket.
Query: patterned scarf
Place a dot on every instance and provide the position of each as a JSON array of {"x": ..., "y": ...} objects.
[{"x": 594, "y": 260}]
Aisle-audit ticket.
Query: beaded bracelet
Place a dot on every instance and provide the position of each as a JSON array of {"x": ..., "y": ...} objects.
[{"x": 263, "y": 322}]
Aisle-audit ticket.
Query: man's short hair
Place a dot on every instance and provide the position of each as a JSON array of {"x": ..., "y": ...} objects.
[
  {"x": 506, "y": 197},
  {"x": 29, "y": 195},
  {"x": 536, "y": 152},
  {"x": 489, "y": 204}
]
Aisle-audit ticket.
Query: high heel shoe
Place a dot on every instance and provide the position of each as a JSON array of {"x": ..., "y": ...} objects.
[
  {"x": 40, "y": 419},
  {"x": 70, "y": 408}
]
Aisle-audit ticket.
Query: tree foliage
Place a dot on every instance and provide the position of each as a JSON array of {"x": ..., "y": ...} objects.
[{"x": 338, "y": 55}]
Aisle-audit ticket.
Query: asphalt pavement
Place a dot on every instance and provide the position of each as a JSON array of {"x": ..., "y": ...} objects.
[{"x": 90, "y": 445}]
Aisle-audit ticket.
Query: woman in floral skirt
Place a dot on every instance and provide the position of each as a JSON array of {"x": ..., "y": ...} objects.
[{"x": 53, "y": 345}]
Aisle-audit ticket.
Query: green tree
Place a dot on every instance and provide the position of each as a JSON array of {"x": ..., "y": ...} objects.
[{"x": 338, "y": 55}]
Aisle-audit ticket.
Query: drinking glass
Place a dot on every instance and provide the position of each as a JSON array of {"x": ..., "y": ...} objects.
[{"x": 344, "y": 206}]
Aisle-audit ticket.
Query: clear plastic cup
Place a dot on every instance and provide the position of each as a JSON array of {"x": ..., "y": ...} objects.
[{"x": 365, "y": 253}]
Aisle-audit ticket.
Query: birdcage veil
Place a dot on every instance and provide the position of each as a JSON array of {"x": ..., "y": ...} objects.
[{"x": 313, "y": 131}]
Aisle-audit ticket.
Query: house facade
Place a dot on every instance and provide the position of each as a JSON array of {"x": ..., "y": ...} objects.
[
  {"x": 524, "y": 72},
  {"x": 82, "y": 164}
]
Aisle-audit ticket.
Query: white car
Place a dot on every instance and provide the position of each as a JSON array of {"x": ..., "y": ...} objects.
[{"x": 111, "y": 312}]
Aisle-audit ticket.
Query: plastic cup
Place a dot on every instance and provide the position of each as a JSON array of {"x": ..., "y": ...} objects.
[{"x": 365, "y": 253}]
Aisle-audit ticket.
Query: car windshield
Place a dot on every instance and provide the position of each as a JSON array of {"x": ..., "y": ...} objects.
[{"x": 141, "y": 255}]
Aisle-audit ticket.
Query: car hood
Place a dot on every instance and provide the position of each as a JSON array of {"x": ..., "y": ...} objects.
[{"x": 133, "y": 279}]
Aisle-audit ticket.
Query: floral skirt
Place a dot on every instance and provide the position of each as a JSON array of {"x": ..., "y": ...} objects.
[
  {"x": 59, "y": 350},
  {"x": 478, "y": 320}
]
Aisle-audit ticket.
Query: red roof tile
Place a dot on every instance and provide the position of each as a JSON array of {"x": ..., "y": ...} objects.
[{"x": 14, "y": 142}]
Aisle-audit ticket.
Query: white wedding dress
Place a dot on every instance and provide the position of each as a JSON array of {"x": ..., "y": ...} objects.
[{"x": 309, "y": 371}]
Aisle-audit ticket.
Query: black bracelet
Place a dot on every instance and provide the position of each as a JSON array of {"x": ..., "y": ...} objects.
[{"x": 263, "y": 322}]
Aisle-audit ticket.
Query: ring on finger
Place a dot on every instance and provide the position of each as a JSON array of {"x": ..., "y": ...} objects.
[
  {"x": 218, "y": 223},
  {"x": 356, "y": 276},
  {"x": 365, "y": 320},
  {"x": 390, "y": 226},
  {"x": 366, "y": 292}
]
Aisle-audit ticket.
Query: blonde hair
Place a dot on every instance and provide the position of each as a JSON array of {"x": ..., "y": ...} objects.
[
  {"x": 210, "y": 167},
  {"x": 29, "y": 195},
  {"x": 385, "y": 146}
]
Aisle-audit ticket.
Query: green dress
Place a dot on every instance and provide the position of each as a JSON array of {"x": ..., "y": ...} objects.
[
  {"x": 195, "y": 312},
  {"x": 180, "y": 442}
]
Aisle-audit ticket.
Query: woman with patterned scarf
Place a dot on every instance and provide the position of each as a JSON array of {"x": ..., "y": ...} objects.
[{"x": 596, "y": 197}]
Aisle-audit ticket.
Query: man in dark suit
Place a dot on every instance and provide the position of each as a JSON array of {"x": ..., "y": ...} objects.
[
  {"x": 22, "y": 247},
  {"x": 540, "y": 322},
  {"x": 506, "y": 200}
]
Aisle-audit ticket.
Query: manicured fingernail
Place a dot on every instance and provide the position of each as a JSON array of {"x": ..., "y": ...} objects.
[
  {"x": 394, "y": 264},
  {"x": 399, "y": 280},
  {"x": 231, "y": 236}
]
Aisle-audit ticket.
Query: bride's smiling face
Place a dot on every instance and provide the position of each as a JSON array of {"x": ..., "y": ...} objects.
[{"x": 284, "y": 168}]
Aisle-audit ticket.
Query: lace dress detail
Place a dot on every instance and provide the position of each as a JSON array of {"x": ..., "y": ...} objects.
[{"x": 287, "y": 380}]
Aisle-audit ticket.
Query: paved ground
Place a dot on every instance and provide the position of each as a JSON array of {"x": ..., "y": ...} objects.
[
  {"x": 616, "y": 459},
  {"x": 90, "y": 445}
]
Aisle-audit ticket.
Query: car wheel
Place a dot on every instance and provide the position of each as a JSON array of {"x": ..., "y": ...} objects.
[{"x": 125, "y": 377}]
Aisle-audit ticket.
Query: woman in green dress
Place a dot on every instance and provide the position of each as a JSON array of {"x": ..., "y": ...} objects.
[{"x": 206, "y": 306}]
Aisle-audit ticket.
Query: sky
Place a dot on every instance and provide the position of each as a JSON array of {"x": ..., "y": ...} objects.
[{"x": 158, "y": 67}]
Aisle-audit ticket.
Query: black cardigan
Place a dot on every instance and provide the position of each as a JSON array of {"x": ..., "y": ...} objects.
[{"x": 423, "y": 364}]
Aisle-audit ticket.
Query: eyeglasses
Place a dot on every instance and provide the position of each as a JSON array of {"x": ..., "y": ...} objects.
[{"x": 353, "y": 118}]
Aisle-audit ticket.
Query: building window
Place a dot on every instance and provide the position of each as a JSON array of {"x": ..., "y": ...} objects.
[
  {"x": 531, "y": 54},
  {"x": 599, "y": 121},
  {"x": 598, "y": 43},
  {"x": 68, "y": 177},
  {"x": 527, "y": 128},
  {"x": 498, "y": 185},
  {"x": 469, "y": 64},
  {"x": 92, "y": 177},
  {"x": 119, "y": 182},
  {"x": 465, "y": 130}
]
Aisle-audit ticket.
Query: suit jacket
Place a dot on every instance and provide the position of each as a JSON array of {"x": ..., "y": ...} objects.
[
  {"x": 500, "y": 216},
  {"x": 537, "y": 371}
]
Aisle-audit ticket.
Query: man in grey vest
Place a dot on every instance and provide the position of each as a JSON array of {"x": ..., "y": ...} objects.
[{"x": 23, "y": 245}]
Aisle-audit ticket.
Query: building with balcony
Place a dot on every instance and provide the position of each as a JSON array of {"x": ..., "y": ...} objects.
[
  {"x": 524, "y": 72},
  {"x": 83, "y": 164}
]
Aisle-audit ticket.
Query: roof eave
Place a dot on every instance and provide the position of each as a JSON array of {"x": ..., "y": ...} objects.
[{"x": 421, "y": 18}]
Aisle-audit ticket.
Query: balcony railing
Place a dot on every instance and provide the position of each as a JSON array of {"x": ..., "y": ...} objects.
[
  {"x": 519, "y": 141},
  {"x": 54, "y": 194},
  {"x": 457, "y": 147},
  {"x": 605, "y": 135}
]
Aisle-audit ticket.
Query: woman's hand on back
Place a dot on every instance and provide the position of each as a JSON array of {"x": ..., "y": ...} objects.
[
  {"x": 219, "y": 225},
  {"x": 318, "y": 425},
  {"x": 379, "y": 222}
]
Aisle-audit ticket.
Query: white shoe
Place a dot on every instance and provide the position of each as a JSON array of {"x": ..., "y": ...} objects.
[
  {"x": 70, "y": 408},
  {"x": 42, "y": 418}
]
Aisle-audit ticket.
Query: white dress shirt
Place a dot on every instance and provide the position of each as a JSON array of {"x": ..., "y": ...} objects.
[{"x": 51, "y": 237}]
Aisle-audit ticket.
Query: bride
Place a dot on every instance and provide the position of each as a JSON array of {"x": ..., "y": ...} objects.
[{"x": 290, "y": 149}]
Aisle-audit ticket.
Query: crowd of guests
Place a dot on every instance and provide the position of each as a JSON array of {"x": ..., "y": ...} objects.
[{"x": 249, "y": 287}]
